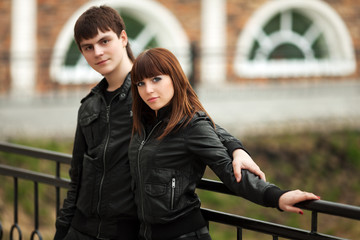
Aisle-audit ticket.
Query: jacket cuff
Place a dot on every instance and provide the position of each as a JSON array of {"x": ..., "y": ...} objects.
[
  {"x": 272, "y": 196},
  {"x": 231, "y": 146}
]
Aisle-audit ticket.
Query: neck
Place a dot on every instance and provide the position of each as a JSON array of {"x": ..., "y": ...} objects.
[{"x": 116, "y": 78}]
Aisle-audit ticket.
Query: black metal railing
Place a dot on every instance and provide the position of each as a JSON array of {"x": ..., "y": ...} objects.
[{"x": 239, "y": 222}]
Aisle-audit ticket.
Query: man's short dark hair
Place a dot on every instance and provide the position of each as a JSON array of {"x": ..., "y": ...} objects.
[{"x": 101, "y": 18}]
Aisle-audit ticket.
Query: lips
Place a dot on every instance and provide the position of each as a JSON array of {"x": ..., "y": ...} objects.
[
  {"x": 153, "y": 99},
  {"x": 101, "y": 62}
]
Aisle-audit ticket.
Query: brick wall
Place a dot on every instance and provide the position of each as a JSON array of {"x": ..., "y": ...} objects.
[
  {"x": 52, "y": 15},
  {"x": 5, "y": 31}
]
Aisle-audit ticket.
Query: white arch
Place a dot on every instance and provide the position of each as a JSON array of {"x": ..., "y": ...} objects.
[
  {"x": 341, "y": 60},
  {"x": 160, "y": 20}
]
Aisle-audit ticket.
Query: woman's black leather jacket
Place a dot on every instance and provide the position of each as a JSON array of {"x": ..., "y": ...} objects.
[{"x": 165, "y": 172}]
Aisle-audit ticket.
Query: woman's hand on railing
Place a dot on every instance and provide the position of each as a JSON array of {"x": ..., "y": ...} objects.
[
  {"x": 242, "y": 160},
  {"x": 289, "y": 199}
]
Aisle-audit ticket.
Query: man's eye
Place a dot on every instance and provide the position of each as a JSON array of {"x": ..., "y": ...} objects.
[
  {"x": 105, "y": 41},
  {"x": 87, "y": 48}
]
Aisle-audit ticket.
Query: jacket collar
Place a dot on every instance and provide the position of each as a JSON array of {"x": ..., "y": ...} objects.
[
  {"x": 163, "y": 113},
  {"x": 103, "y": 84}
]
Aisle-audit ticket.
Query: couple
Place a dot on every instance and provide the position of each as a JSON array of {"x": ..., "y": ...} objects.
[{"x": 142, "y": 143}]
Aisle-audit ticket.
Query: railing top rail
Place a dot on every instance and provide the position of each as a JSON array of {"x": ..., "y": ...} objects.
[
  {"x": 332, "y": 208},
  {"x": 35, "y": 152},
  {"x": 6, "y": 170}
]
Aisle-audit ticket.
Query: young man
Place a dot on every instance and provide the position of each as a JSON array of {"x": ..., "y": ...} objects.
[{"x": 99, "y": 203}]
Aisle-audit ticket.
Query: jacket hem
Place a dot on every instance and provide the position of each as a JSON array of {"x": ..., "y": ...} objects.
[{"x": 188, "y": 223}]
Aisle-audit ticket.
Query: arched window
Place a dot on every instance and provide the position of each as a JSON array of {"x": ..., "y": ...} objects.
[
  {"x": 145, "y": 28},
  {"x": 294, "y": 39}
]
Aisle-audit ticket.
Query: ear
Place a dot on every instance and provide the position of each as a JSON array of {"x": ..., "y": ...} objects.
[{"x": 124, "y": 38}]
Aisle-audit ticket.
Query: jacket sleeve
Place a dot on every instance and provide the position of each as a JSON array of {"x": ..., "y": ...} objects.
[
  {"x": 230, "y": 142},
  {"x": 67, "y": 212},
  {"x": 203, "y": 142}
]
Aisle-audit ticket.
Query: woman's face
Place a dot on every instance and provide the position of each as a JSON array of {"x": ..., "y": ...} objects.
[{"x": 157, "y": 91}]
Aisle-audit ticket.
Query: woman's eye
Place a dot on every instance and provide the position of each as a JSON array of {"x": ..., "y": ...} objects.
[
  {"x": 156, "y": 79},
  {"x": 139, "y": 84}
]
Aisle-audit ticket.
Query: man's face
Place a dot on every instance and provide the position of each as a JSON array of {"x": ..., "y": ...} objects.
[{"x": 105, "y": 52}]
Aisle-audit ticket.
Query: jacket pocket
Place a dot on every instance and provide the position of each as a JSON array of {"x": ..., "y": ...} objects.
[
  {"x": 91, "y": 129},
  {"x": 87, "y": 186},
  {"x": 162, "y": 192}
]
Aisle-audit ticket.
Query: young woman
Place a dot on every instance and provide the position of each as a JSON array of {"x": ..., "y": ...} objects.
[{"x": 173, "y": 141}]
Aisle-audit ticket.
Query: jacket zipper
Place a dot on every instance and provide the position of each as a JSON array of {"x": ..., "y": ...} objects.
[
  {"x": 139, "y": 173},
  {"x": 104, "y": 163},
  {"x": 172, "y": 193}
]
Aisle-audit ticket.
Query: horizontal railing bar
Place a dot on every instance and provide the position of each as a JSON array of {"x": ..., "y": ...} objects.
[
  {"x": 213, "y": 185},
  {"x": 336, "y": 209},
  {"x": 35, "y": 152},
  {"x": 33, "y": 176},
  {"x": 332, "y": 208},
  {"x": 262, "y": 226}
]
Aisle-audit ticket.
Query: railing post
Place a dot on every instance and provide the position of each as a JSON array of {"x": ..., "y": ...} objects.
[
  {"x": 314, "y": 221},
  {"x": 36, "y": 212},
  {"x": 239, "y": 233},
  {"x": 57, "y": 189},
  {"x": 15, "y": 225},
  {"x": 1, "y": 231}
]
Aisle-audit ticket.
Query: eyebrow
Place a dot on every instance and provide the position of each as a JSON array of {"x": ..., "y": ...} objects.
[
  {"x": 85, "y": 45},
  {"x": 90, "y": 44}
]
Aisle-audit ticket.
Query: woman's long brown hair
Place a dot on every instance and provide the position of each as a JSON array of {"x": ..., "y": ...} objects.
[{"x": 184, "y": 104}]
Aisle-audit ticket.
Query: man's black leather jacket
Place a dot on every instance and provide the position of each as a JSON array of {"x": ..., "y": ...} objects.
[
  {"x": 100, "y": 202},
  {"x": 165, "y": 173}
]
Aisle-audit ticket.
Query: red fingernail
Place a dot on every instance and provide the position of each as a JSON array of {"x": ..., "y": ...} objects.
[
  {"x": 319, "y": 197},
  {"x": 301, "y": 212}
]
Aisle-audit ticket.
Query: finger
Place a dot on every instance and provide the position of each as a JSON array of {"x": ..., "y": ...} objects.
[
  {"x": 237, "y": 171},
  {"x": 261, "y": 174},
  {"x": 303, "y": 196},
  {"x": 256, "y": 170},
  {"x": 311, "y": 196},
  {"x": 294, "y": 210}
]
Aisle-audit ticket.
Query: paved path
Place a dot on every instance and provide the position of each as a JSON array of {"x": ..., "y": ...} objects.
[
  {"x": 249, "y": 109},
  {"x": 290, "y": 107}
]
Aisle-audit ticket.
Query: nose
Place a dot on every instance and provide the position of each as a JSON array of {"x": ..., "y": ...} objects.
[
  {"x": 149, "y": 88},
  {"x": 98, "y": 51}
]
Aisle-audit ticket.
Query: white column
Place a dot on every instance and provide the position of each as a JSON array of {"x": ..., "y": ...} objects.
[
  {"x": 23, "y": 48},
  {"x": 213, "y": 41}
]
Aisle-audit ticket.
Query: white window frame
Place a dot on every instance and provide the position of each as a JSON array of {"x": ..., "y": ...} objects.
[
  {"x": 157, "y": 19},
  {"x": 341, "y": 60}
]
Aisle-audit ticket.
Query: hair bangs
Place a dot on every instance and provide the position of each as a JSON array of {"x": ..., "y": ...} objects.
[
  {"x": 146, "y": 66},
  {"x": 96, "y": 19}
]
